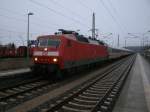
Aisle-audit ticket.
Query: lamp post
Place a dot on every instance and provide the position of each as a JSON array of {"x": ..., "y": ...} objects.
[{"x": 30, "y": 13}]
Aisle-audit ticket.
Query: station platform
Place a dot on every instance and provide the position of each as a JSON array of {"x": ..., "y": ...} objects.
[
  {"x": 14, "y": 72},
  {"x": 135, "y": 95}
]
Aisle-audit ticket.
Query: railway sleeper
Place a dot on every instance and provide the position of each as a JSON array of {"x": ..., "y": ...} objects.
[
  {"x": 103, "y": 108},
  {"x": 101, "y": 86},
  {"x": 4, "y": 94},
  {"x": 88, "y": 97},
  {"x": 98, "y": 89},
  {"x": 84, "y": 100},
  {"x": 17, "y": 89},
  {"x": 96, "y": 92},
  {"x": 69, "y": 109},
  {"x": 81, "y": 105},
  {"x": 92, "y": 94},
  {"x": 91, "y": 102},
  {"x": 10, "y": 91}
]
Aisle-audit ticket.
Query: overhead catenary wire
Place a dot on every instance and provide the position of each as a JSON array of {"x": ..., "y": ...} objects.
[
  {"x": 14, "y": 29},
  {"x": 109, "y": 12},
  {"x": 21, "y": 32},
  {"x": 116, "y": 12},
  {"x": 14, "y": 18},
  {"x": 89, "y": 8},
  {"x": 67, "y": 9},
  {"x": 17, "y": 32},
  {"x": 19, "y": 14},
  {"x": 14, "y": 32},
  {"x": 80, "y": 2},
  {"x": 24, "y": 21},
  {"x": 11, "y": 11},
  {"x": 35, "y": 23},
  {"x": 58, "y": 13}
]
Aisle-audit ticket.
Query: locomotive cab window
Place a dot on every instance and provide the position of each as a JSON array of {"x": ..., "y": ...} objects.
[{"x": 49, "y": 42}]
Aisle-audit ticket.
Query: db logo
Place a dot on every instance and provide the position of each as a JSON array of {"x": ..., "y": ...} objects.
[{"x": 44, "y": 53}]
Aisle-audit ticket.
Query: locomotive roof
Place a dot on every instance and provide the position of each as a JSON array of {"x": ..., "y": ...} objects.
[
  {"x": 81, "y": 38},
  {"x": 74, "y": 36}
]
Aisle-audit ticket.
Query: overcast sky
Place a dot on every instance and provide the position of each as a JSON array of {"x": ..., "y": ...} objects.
[{"x": 112, "y": 16}]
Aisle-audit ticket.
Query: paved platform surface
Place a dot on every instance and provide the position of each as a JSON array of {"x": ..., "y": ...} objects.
[
  {"x": 135, "y": 96},
  {"x": 14, "y": 72},
  {"x": 14, "y": 63}
]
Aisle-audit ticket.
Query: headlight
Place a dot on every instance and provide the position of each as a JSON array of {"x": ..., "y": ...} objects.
[
  {"x": 45, "y": 49},
  {"x": 35, "y": 59},
  {"x": 55, "y": 59}
]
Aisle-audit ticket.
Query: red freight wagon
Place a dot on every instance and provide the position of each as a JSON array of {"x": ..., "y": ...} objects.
[
  {"x": 21, "y": 51},
  {"x": 10, "y": 52},
  {"x": 2, "y": 52}
]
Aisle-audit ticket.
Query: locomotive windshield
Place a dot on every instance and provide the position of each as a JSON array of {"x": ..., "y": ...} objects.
[{"x": 49, "y": 42}]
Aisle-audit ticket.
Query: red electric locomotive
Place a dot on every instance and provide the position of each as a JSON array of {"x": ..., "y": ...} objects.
[{"x": 67, "y": 50}]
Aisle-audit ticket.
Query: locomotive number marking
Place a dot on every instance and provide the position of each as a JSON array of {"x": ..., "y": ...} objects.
[{"x": 44, "y": 53}]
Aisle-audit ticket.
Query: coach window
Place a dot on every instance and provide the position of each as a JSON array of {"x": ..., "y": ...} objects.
[{"x": 68, "y": 43}]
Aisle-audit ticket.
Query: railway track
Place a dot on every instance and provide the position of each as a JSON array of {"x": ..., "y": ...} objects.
[
  {"x": 21, "y": 92},
  {"x": 15, "y": 95},
  {"x": 99, "y": 94}
]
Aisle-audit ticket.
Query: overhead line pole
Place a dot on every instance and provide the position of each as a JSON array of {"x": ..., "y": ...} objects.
[
  {"x": 93, "y": 26},
  {"x": 118, "y": 40}
]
